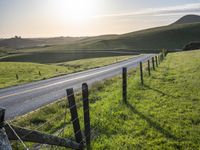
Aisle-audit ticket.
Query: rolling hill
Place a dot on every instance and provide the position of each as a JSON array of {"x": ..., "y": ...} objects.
[
  {"x": 188, "y": 19},
  {"x": 60, "y": 49},
  {"x": 17, "y": 42},
  {"x": 170, "y": 37},
  {"x": 174, "y": 36}
]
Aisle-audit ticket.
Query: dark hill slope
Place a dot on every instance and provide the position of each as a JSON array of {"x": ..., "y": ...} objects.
[
  {"x": 18, "y": 43},
  {"x": 170, "y": 37},
  {"x": 188, "y": 19}
]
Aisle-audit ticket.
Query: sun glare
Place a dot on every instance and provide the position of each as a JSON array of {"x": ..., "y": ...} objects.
[{"x": 76, "y": 11}]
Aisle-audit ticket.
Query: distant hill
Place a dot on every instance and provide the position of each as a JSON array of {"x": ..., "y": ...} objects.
[
  {"x": 174, "y": 36},
  {"x": 17, "y": 43},
  {"x": 188, "y": 19}
]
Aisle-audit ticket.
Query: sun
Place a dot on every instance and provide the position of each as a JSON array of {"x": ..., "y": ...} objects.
[
  {"x": 80, "y": 10},
  {"x": 76, "y": 11}
]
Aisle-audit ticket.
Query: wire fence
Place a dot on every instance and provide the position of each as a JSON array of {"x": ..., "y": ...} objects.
[{"x": 67, "y": 122}]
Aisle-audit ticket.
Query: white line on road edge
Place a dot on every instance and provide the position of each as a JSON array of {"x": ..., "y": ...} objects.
[{"x": 61, "y": 82}]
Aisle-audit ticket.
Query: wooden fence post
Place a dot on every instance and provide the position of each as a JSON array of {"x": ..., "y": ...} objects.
[
  {"x": 17, "y": 77},
  {"x": 86, "y": 111},
  {"x": 161, "y": 56},
  {"x": 153, "y": 63},
  {"x": 141, "y": 74},
  {"x": 2, "y": 116},
  {"x": 156, "y": 61},
  {"x": 124, "y": 84},
  {"x": 149, "y": 68},
  {"x": 74, "y": 115},
  {"x": 4, "y": 142}
]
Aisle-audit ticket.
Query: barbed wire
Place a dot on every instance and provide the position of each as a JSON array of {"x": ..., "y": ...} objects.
[
  {"x": 71, "y": 107},
  {"x": 60, "y": 115},
  {"x": 17, "y": 136}
]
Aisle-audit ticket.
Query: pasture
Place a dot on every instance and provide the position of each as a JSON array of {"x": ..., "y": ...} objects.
[
  {"x": 162, "y": 114},
  {"x": 15, "y": 73}
]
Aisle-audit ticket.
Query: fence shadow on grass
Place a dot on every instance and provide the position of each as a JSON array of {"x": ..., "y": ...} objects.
[
  {"x": 152, "y": 123},
  {"x": 172, "y": 96},
  {"x": 161, "y": 92}
]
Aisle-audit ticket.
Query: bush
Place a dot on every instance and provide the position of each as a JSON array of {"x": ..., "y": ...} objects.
[{"x": 192, "y": 46}]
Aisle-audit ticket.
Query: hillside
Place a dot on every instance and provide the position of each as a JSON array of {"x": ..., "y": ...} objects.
[
  {"x": 162, "y": 114},
  {"x": 169, "y": 37},
  {"x": 174, "y": 36},
  {"x": 188, "y": 19},
  {"x": 17, "y": 43},
  {"x": 21, "y": 43},
  {"x": 61, "y": 49}
]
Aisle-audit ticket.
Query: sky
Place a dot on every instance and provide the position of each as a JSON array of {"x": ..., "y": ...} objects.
[{"x": 51, "y": 18}]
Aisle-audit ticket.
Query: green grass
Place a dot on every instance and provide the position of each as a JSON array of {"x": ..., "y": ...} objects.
[
  {"x": 84, "y": 64},
  {"x": 28, "y": 72},
  {"x": 172, "y": 37},
  {"x": 6, "y": 51},
  {"x": 55, "y": 56},
  {"x": 162, "y": 114},
  {"x": 169, "y": 37}
]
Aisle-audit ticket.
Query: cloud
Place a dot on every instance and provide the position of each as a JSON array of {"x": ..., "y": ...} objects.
[{"x": 173, "y": 10}]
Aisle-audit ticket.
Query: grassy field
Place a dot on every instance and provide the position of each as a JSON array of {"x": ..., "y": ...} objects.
[
  {"x": 28, "y": 72},
  {"x": 173, "y": 37},
  {"x": 169, "y": 37},
  {"x": 85, "y": 64},
  {"x": 46, "y": 57},
  {"x": 162, "y": 114}
]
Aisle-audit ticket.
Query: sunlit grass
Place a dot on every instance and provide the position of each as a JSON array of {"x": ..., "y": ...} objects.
[
  {"x": 14, "y": 73},
  {"x": 162, "y": 114}
]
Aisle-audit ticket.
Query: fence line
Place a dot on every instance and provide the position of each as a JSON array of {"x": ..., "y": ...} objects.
[
  {"x": 81, "y": 140},
  {"x": 124, "y": 84},
  {"x": 141, "y": 74}
]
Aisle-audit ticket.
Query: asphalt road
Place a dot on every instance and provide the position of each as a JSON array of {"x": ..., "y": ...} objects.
[{"x": 25, "y": 98}]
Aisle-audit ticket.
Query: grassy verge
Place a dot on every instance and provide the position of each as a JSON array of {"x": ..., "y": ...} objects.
[
  {"x": 85, "y": 64},
  {"x": 28, "y": 72},
  {"x": 162, "y": 114}
]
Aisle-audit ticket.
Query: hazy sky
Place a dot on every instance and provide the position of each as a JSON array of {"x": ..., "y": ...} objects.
[{"x": 48, "y": 18}]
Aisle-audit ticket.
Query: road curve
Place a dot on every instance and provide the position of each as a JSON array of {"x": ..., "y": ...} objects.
[{"x": 22, "y": 99}]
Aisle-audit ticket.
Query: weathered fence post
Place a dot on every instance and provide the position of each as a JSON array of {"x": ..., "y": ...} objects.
[
  {"x": 124, "y": 84},
  {"x": 4, "y": 142},
  {"x": 17, "y": 77},
  {"x": 166, "y": 52},
  {"x": 161, "y": 57},
  {"x": 153, "y": 63},
  {"x": 86, "y": 112},
  {"x": 149, "y": 69},
  {"x": 156, "y": 61},
  {"x": 163, "y": 54},
  {"x": 74, "y": 115},
  {"x": 141, "y": 74},
  {"x": 2, "y": 116}
]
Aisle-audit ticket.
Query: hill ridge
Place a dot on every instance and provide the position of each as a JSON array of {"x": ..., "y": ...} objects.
[{"x": 188, "y": 19}]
